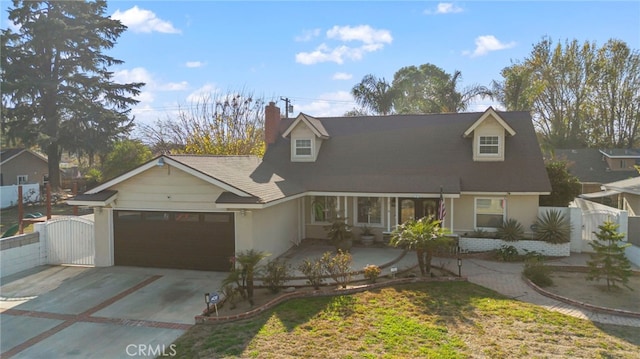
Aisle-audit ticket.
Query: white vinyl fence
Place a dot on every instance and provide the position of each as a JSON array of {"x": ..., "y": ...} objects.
[
  {"x": 65, "y": 240},
  {"x": 9, "y": 194}
]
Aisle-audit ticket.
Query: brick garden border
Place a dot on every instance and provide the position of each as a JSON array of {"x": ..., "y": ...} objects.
[
  {"x": 595, "y": 308},
  {"x": 200, "y": 319}
]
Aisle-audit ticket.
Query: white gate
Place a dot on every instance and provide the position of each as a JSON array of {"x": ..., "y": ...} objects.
[
  {"x": 70, "y": 240},
  {"x": 593, "y": 218}
]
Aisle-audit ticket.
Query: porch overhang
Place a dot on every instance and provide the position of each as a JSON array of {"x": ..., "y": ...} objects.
[
  {"x": 100, "y": 199},
  {"x": 599, "y": 194}
]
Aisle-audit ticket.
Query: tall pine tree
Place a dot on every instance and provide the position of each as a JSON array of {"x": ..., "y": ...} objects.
[
  {"x": 57, "y": 90},
  {"x": 609, "y": 261}
]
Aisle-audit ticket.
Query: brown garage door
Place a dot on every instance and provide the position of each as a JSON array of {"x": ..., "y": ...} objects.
[{"x": 202, "y": 241}]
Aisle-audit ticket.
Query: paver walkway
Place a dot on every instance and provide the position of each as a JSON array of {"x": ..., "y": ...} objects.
[{"x": 505, "y": 278}]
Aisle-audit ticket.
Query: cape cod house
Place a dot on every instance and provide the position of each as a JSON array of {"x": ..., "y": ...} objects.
[{"x": 194, "y": 212}]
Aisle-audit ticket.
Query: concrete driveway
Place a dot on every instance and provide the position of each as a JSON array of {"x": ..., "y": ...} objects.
[{"x": 114, "y": 312}]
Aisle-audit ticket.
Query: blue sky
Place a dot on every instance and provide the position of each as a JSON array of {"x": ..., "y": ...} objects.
[{"x": 314, "y": 52}]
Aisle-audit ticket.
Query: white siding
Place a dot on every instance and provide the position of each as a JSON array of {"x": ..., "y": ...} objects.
[
  {"x": 166, "y": 188},
  {"x": 275, "y": 229}
]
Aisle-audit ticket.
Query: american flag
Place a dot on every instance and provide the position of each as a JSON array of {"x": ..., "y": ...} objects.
[{"x": 442, "y": 210}]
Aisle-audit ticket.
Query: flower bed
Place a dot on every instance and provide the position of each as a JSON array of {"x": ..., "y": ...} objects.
[{"x": 472, "y": 244}]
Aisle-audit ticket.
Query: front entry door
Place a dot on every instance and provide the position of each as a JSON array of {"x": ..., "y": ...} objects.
[{"x": 416, "y": 208}]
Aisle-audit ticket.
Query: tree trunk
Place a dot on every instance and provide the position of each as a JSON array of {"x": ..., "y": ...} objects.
[
  {"x": 428, "y": 254},
  {"x": 53, "y": 159},
  {"x": 420, "y": 253}
]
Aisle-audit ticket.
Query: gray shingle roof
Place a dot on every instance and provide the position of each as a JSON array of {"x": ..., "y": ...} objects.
[
  {"x": 400, "y": 154},
  {"x": 246, "y": 173},
  {"x": 414, "y": 154},
  {"x": 588, "y": 165}
]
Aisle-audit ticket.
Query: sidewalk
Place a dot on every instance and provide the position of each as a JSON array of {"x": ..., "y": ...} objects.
[{"x": 505, "y": 278}]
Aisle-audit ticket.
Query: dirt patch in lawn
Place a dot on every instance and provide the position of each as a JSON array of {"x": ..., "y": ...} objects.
[
  {"x": 573, "y": 285},
  {"x": 262, "y": 296}
]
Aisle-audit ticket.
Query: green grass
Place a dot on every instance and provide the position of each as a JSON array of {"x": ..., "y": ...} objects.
[{"x": 427, "y": 320}]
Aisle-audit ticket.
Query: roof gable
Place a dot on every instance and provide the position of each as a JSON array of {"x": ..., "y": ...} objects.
[
  {"x": 312, "y": 123},
  {"x": 166, "y": 160},
  {"x": 9, "y": 154},
  {"x": 490, "y": 112}
]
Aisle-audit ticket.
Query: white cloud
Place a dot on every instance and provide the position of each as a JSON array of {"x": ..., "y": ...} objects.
[
  {"x": 141, "y": 20},
  {"x": 194, "y": 64},
  {"x": 174, "y": 86},
  {"x": 203, "y": 93},
  {"x": 342, "y": 76},
  {"x": 372, "y": 40},
  {"x": 444, "y": 8},
  {"x": 138, "y": 74},
  {"x": 308, "y": 35},
  {"x": 364, "y": 33},
  {"x": 488, "y": 43},
  {"x": 328, "y": 105}
]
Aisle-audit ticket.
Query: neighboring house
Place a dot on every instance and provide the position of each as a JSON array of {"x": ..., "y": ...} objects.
[
  {"x": 195, "y": 212},
  {"x": 628, "y": 192},
  {"x": 594, "y": 167},
  {"x": 22, "y": 166},
  {"x": 627, "y": 195}
]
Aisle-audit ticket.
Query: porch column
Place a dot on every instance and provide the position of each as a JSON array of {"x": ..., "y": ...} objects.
[
  {"x": 388, "y": 214},
  {"x": 304, "y": 217},
  {"x": 397, "y": 210},
  {"x": 451, "y": 216},
  {"x": 346, "y": 206}
]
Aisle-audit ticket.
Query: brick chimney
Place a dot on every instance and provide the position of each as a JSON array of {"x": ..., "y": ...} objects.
[{"x": 271, "y": 123}]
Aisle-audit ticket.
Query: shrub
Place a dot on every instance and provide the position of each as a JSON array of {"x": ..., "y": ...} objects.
[
  {"x": 372, "y": 272},
  {"x": 507, "y": 253},
  {"x": 537, "y": 271},
  {"x": 312, "y": 270},
  {"x": 511, "y": 230},
  {"x": 553, "y": 227},
  {"x": 275, "y": 274},
  {"x": 338, "y": 267},
  {"x": 609, "y": 260}
]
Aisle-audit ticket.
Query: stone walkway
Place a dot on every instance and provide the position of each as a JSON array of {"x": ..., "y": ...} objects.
[{"x": 505, "y": 278}]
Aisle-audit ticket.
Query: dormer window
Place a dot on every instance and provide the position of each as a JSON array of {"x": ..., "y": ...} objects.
[
  {"x": 303, "y": 148},
  {"x": 489, "y": 134},
  {"x": 489, "y": 145}
]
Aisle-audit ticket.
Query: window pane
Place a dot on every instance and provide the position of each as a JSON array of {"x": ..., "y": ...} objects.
[
  {"x": 303, "y": 147},
  {"x": 489, "y": 144},
  {"x": 217, "y": 217},
  {"x": 369, "y": 210},
  {"x": 156, "y": 216},
  {"x": 325, "y": 208},
  {"x": 187, "y": 217},
  {"x": 489, "y": 212},
  {"x": 408, "y": 210},
  {"x": 128, "y": 216}
]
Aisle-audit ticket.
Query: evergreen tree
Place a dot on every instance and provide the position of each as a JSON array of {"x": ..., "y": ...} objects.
[
  {"x": 57, "y": 90},
  {"x": 609, "y": 261}
]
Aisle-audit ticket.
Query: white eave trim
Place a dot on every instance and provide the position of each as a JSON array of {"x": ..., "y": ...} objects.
[
  {"x": 171, "y": 162},
  {"x": 489, "y": 112},
  {"x": 302, "y": 117},
  {"x": 618, "y": 156},
  {"x": 505, "y": 193},
  {"x": 104, "y": 203}
]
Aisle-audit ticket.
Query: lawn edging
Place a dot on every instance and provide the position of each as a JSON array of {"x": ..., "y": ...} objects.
[
  {"x": 577, "y": 303},
  {"x": 203, "y": 318}
]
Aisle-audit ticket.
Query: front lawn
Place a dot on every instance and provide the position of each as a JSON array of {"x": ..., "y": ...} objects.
[{"x": 425, "y": 320}]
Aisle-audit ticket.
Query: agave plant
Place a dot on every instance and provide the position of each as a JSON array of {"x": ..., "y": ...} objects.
[
  {"x": 553, "y": 227},
  {"x": 510, "y": 230}
]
